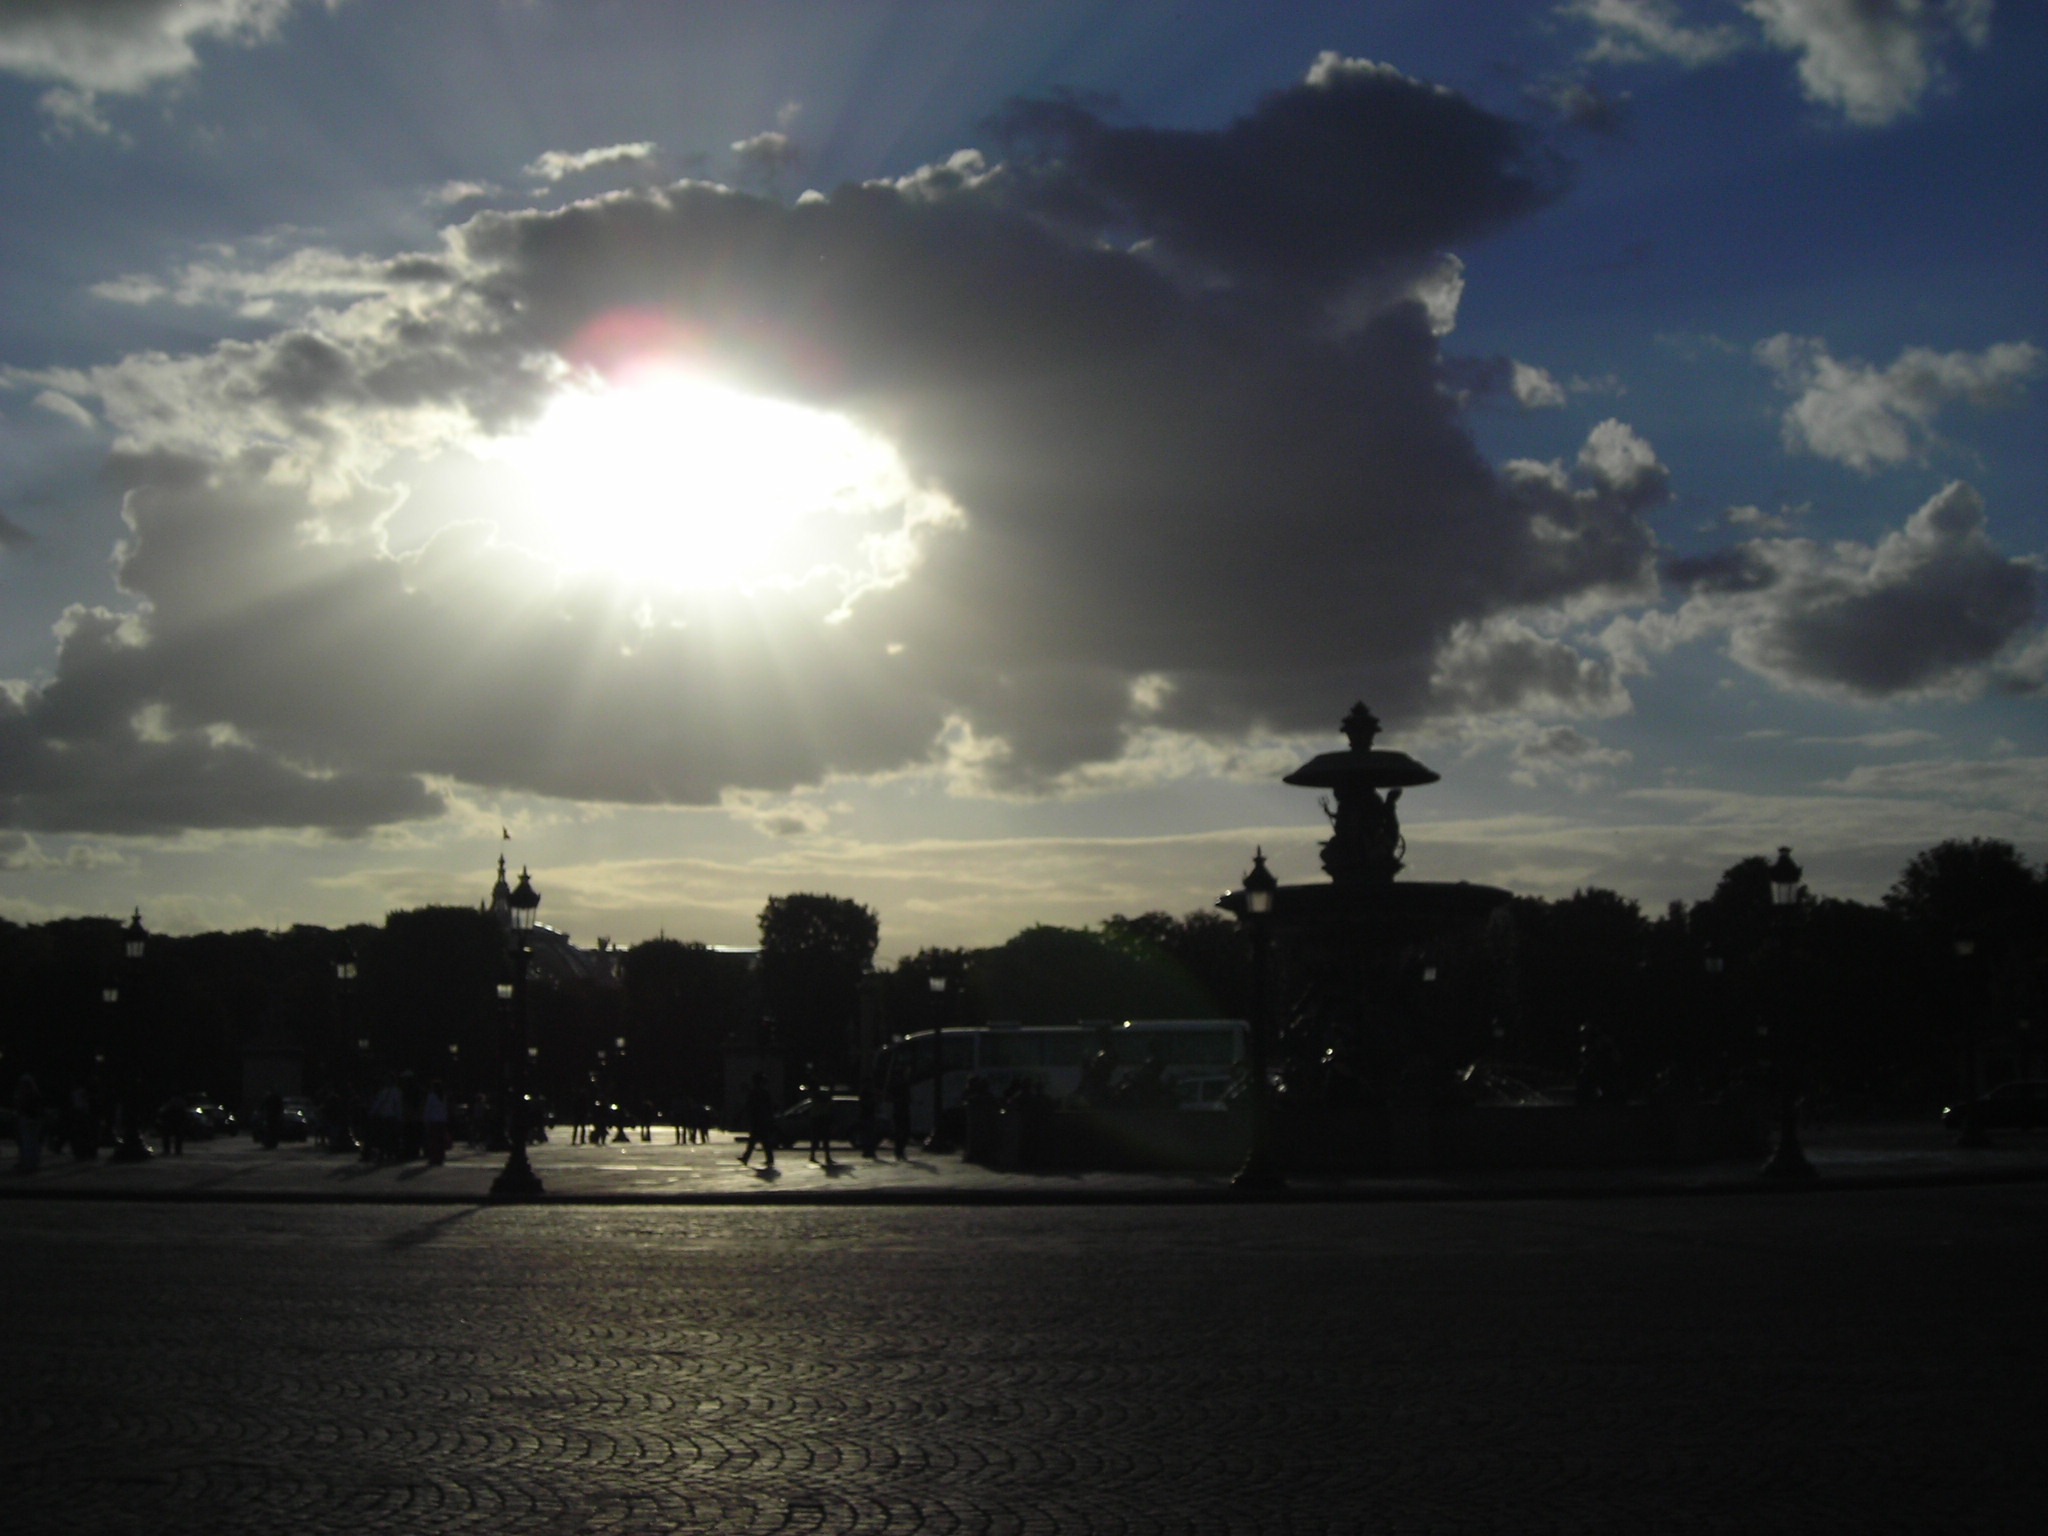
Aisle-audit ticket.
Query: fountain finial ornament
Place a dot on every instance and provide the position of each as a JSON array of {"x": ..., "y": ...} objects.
[{"x": 1359, "y": 727}]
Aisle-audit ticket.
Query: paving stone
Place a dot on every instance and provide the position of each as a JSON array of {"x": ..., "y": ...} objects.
[{"x": 1860, "y": 1362}]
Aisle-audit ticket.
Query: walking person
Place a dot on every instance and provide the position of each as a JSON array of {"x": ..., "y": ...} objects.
[
  {"x": 28, "y": 1125},
  {"x": 434, "y": 1126},
  {"x": 760, "y": 1109},
  {"x": 868, "y": 1120},
  {"x": 821, "y": 1123},
  {"x": 386, "y": 1111},
  {"x": 899, "y": 1113},
  {"x": 170, "y": 1126},
  {"x": 83, "y": 1126}
]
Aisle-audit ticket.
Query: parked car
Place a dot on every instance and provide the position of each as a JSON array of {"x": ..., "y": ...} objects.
[
  {"x": 297, "y": 1119},
  {"x": 2015, "y": 1106},
  {"x": 198, "y": 1117},
  {"x": 793, "y": 1125}
]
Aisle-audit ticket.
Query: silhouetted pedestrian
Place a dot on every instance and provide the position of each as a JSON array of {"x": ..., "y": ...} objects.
[
  {"x": 387, "y": 1109},
  {"x": 821, "y": 1122},
  {"x": 83, "y": 1126},
  {"x": 899, "y": 1113},
  {"x": 170, "y": 1126},
  {"x": 28, "y": 1125},
  {"x": 868, "y": 1120},
  {"x": 760, "y": 1113},
  {"x": 435, "y": 1139}
]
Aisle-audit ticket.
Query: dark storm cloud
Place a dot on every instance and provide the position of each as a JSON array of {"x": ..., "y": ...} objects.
[
  {"x": 1933, "y": 608},
  {"x": 1189, "y": 505},
  {"x": 1357, "y": 169}
]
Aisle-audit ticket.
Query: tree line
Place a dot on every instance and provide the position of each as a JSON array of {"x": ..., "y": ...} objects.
[{"x": 1896, "y": 1004}]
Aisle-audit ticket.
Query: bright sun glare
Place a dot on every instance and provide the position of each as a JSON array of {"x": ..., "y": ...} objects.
[{"x": 675, "y": 480}]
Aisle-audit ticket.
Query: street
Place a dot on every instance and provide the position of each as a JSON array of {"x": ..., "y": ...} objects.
[{"x": 1828, "y": 1361}]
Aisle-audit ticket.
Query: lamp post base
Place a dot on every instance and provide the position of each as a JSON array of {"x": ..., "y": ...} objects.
[
  {"x": 517, "y": 1181},
  {"x": 129, "y": 1146},
  {"x": 1789, "y": 1162},
  {"x": 1259, "y": 1175}
]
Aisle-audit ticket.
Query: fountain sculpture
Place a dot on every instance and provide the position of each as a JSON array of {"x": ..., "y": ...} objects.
[{"x": 1382, "y": 984}]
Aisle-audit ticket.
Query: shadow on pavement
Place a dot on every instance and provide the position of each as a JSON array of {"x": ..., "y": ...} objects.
[{"x": 428, "y": 1231}]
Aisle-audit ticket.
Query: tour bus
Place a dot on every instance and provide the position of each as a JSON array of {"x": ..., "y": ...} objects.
[{"x": 1194, "y": 1051}]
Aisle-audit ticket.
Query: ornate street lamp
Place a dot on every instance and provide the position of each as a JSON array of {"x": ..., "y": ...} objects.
[
  {"x": 936, "y": 1141},
  {"x": 131, "y": 1148},
  {"x": 1261, "y": 1169},
  {"x": 334, "y": 1065},
  {"x": 1788, "y": 1161},
  {"x": 619, "y": 1083},
  {"x": 1785, "y": 877},
  {"x": 517, "y": 1180}
]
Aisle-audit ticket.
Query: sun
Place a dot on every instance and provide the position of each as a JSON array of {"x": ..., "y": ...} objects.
[{"x": 677, "y": 480}]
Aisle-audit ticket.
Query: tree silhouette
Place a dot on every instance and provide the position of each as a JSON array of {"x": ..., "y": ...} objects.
[
  {"x": 814, "y": 951},
  {"x": 1982, "y": 888}
]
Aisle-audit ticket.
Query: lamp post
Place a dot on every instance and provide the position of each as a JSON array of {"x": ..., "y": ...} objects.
[
  {"x": 130, "y": 1148},
  {"x": 517, "y": 1180},
  {"x": 495, "y": 1137},
  {"x": 344, "y": 962},
  {"x": 936, "y": 1142},
  {"x": 1973, "y": 1133},
  {"x": 1788, "y": 1160},
  {"x": 1260, "y": 1171},
  {"x": 619, "y": 1086}
]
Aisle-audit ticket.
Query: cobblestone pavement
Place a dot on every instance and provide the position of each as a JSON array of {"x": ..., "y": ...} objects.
[{"x": 1856, "y": 1362}]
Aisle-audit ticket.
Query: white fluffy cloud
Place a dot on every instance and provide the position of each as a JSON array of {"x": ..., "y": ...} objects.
[
  {"x": 1566, "y": 755},
  {"x": 1534, "y": 389},
  {"x": 766, "y": 153},
  {"x": 120, "y": 47},
  {"x": 559, "y": 164},
  {"x": 1865, "y": 417},
  {"x": 1872, "y": 59},
  {"x": 1933, "y": 609},
  {"x": 1508, "y": 665},
  {"x": 1632, "y": 31}
]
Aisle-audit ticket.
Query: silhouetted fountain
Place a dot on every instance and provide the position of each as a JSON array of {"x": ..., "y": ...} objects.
[{"x": 1383, "y": 986}]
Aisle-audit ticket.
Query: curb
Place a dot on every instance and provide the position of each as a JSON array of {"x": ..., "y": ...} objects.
[{"x": 1305, "y": 1194}]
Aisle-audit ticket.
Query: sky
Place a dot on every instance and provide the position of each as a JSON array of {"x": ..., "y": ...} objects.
[{"x": 957, "y": 456}]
